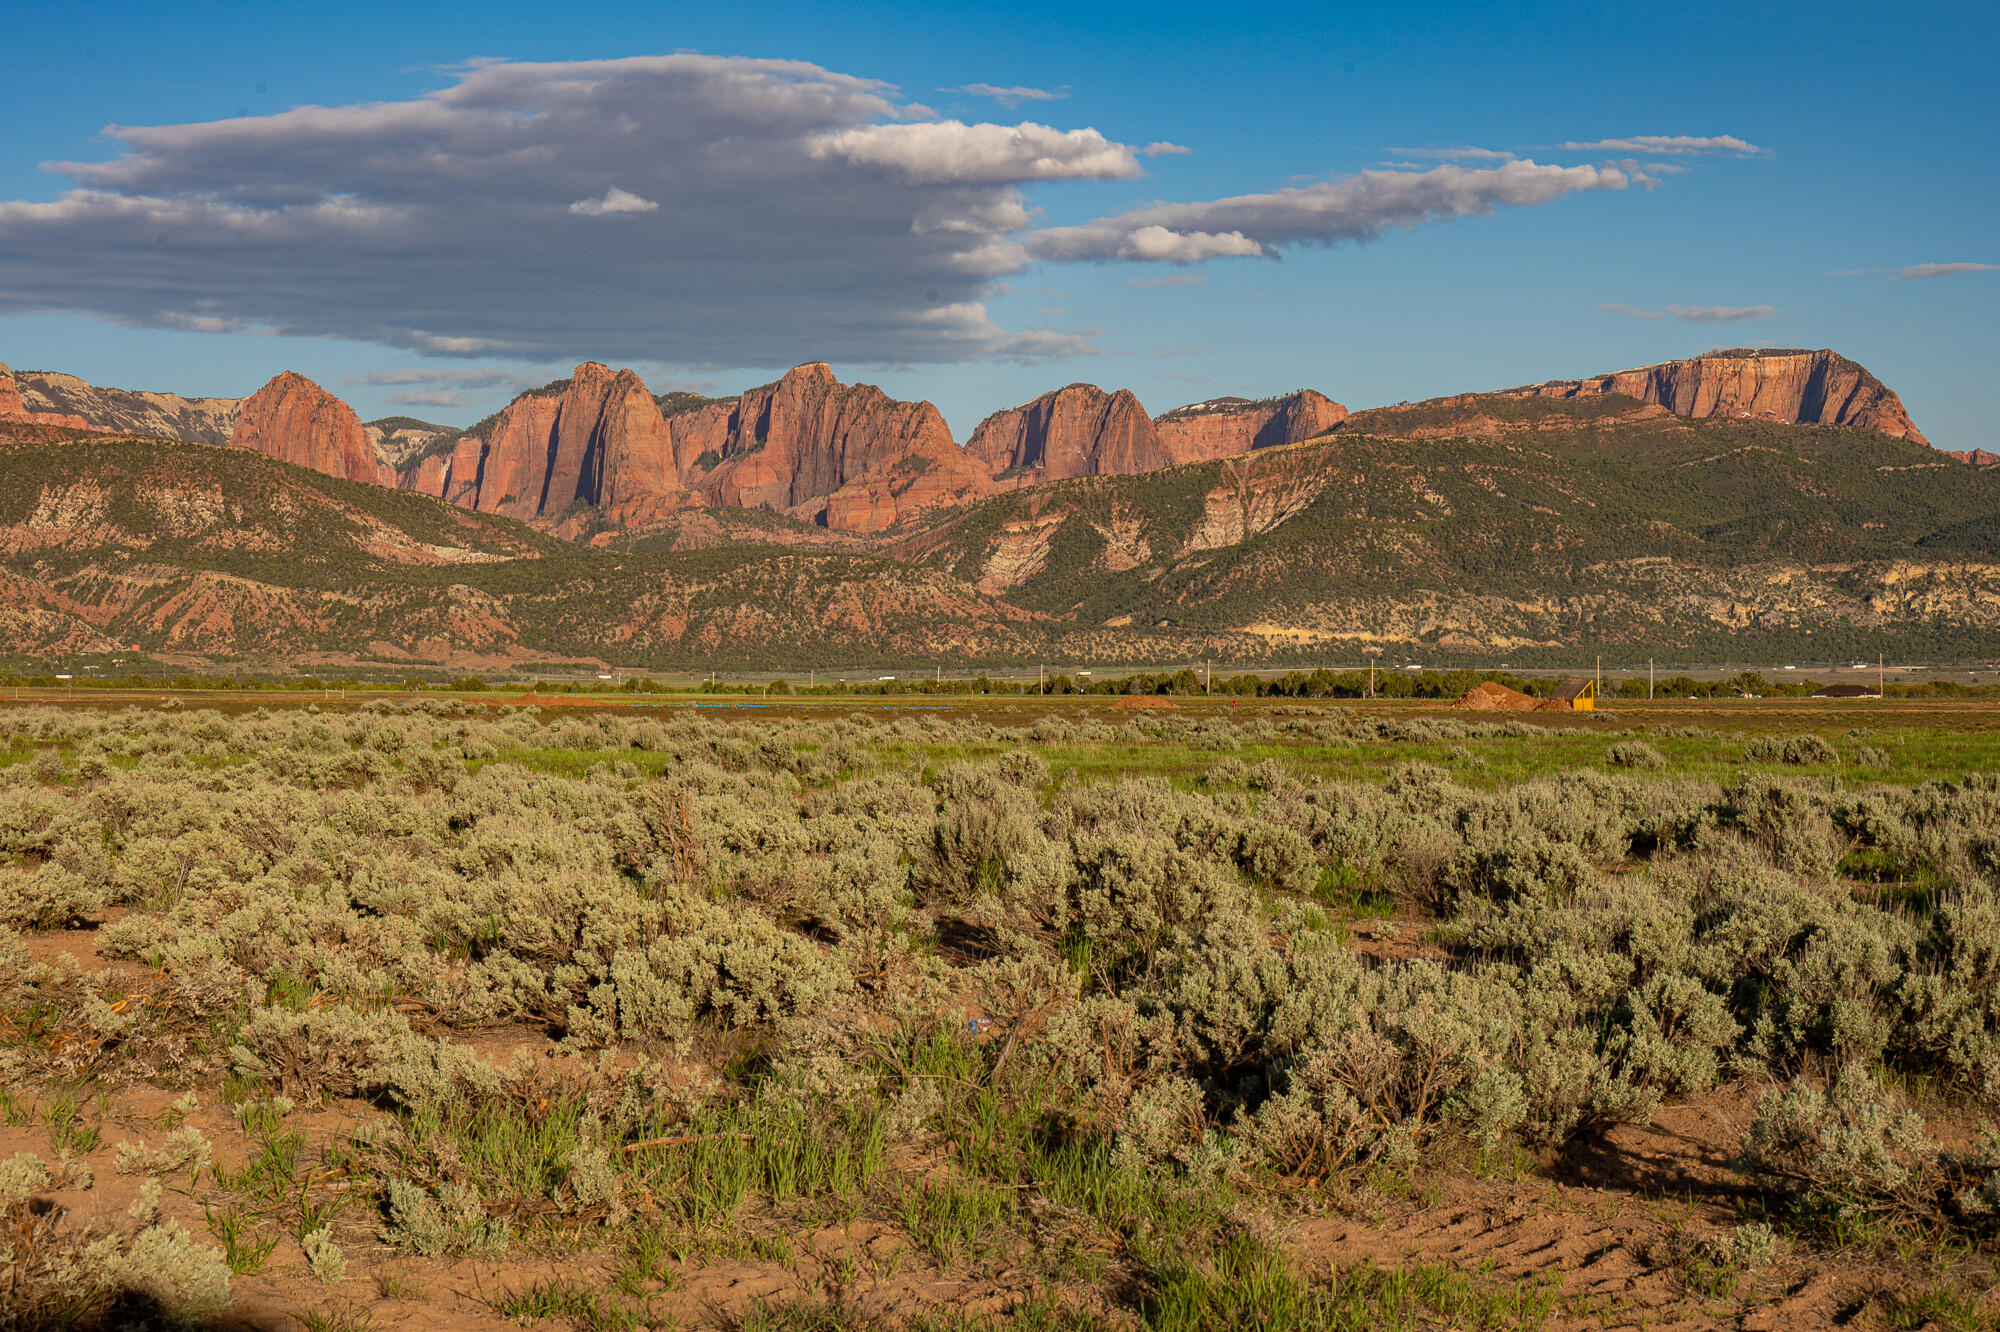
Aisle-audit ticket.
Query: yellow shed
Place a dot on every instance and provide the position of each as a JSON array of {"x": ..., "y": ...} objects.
[{"x": 1574, "y": 696}]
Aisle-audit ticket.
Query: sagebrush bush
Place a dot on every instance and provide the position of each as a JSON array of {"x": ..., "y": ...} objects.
[
  {"x": 1852, "y": 1146},
  {"x": 1635, "y": 754}
]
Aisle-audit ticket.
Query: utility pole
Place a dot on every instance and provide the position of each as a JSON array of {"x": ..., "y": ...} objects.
[
  {"x": 1207, "y": 677},
  {"x": 1039, "y": 671},
  {"x": 1599, "y": 690},
  {"x": 1881, "y": 677},
  {"x": 1649, "y": 679}
]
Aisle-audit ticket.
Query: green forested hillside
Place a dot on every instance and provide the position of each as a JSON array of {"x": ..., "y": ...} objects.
[{"x": 1544, "y": 527}]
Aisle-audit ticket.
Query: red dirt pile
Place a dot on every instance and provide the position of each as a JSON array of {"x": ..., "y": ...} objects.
[{"x": 1491, "y": 697}]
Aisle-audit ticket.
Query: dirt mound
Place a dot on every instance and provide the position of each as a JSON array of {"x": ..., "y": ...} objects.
[{"x": 1491, "y": 697}]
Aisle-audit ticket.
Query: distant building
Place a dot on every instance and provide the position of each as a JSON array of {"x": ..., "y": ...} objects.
[
  {"x": 1847, "y": 691},
  {"x": 1573, "y": 696}
]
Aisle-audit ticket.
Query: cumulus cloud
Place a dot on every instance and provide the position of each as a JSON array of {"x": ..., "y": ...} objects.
[
  {"x": 1355, "y": 209},
  {"x": 1670, "y": 145},
  {"x": 429, "y": 398},
  {"x": 1010, "y": 97},
  {"x": 615, "y": 200},
  {"x": 801, "y": 215},
  {"x": 1917, "y": 271},
  {"x": 1164, "y": 149},
  {"x": 1700, "y": 314}
]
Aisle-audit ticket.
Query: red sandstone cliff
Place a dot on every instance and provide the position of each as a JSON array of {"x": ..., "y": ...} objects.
[
  {"x": 844, "y": 455},
  {"x": 1976, "y": 457},
  {"x": 596, "y": 438},
  {"x": 1079, "y": 430},
  {"x": 1794, "y": 386},
  {"x": 1222, "y": 427},
  {"x": 295, "y": 420}
]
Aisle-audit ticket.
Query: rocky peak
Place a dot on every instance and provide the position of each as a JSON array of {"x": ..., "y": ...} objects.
[
  {"x": 1791, "y": 385},
  {"x": 1077, "y": 430},
  {"x": 295, "y": 420},
  {"x": 1221, "y": 427}
]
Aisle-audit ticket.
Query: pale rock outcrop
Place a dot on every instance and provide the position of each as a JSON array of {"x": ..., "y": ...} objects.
[
  {"x": 403, "y": 442},
  {"x": 126, "y": 411},
  {"x": 15, "y": 410}
]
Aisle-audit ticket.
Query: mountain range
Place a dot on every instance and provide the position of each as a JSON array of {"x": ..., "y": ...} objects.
[{"x": 1744, "y": 497}]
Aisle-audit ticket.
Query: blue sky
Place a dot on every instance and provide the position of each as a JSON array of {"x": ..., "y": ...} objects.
[{"x": 851, "y": 207}]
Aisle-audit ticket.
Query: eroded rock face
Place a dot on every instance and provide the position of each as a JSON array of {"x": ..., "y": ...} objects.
[
  {"x": 1224, "y": 427},
  {"x": 1793, "y": 386},
  {"x": 596, "y": 438},
  {"x": 295, "y": 420},
  {"x": 844, "y": 455},
  {"x": 125, "y": 411},
  {"x": 427, "y": 476},
  {"x": 1079, "y": 430},
  {"x": 403, "y": 442},
  {"x": 1975, "y": 457}
]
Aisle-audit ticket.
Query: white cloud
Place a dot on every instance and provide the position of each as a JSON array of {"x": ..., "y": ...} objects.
[
  {"x": 615, "y": 200},
  {"x": 1700, "y": 314},
  {"x": 950, "y": 152},
  {"x": 1164, "y": 149},
  {"x": 1354, "y": 209},
  {"x": 1457, "y": 154},
  {"x": 429, "y": 398},
  {"x": 1942, "y": 270},
  {"x": 442, "y": 375},
  {"x": 1670, "y": 145},
  {"x": 1010, "y": 97}
]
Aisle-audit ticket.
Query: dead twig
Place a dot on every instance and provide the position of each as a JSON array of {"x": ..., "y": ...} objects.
[{"x": 681, "y": 1141}]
